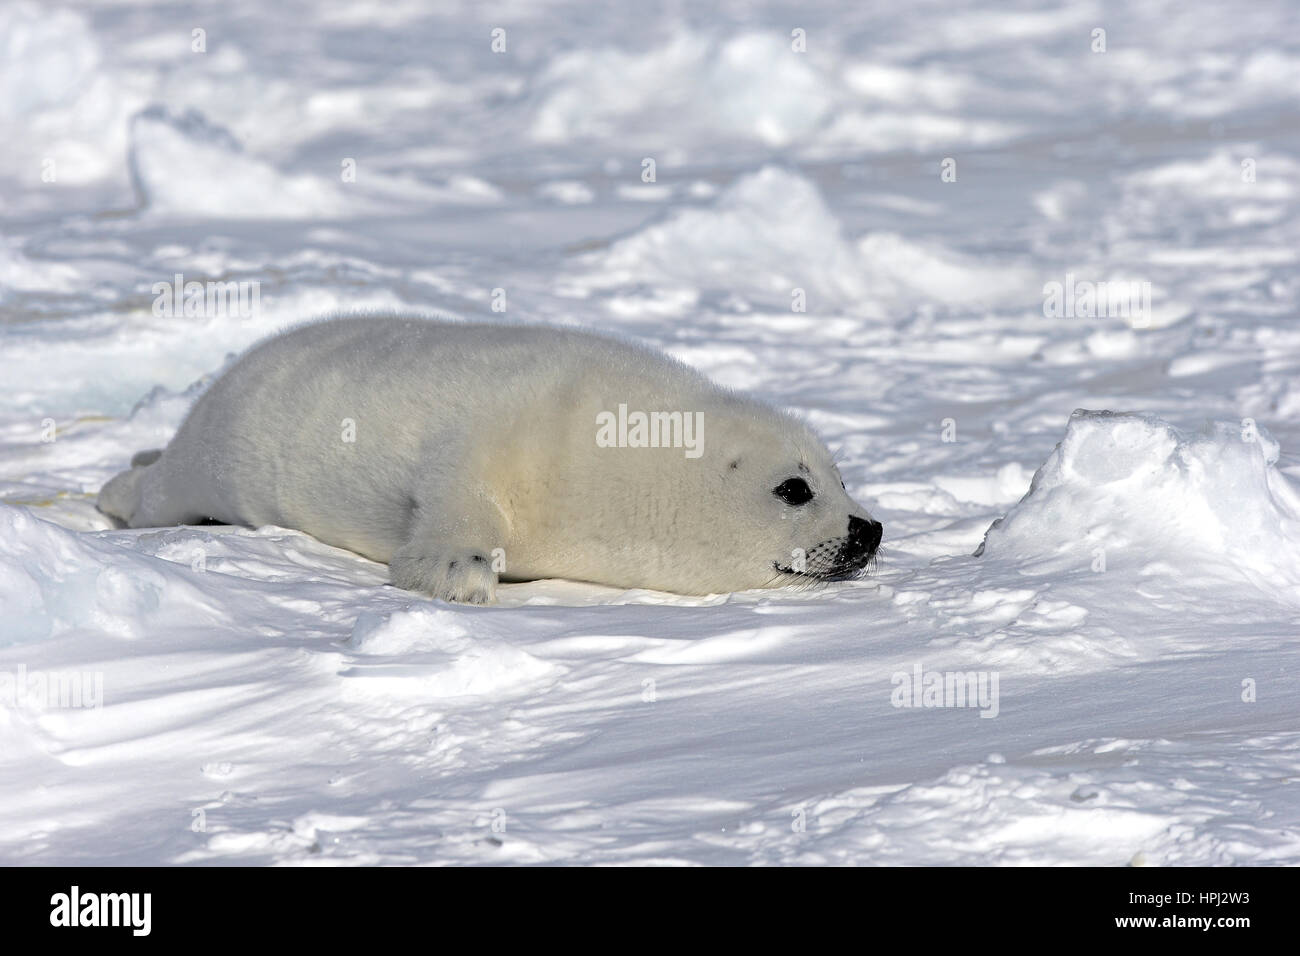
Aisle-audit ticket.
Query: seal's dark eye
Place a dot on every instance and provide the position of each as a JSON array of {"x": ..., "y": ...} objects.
[{"x": 793, "y": 491}]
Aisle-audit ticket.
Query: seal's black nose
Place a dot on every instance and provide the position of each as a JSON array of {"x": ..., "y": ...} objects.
[{"x": 864, "y": 536}]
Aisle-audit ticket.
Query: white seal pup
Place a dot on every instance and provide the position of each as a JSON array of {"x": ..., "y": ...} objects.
[{"x": 460, "y": 454}]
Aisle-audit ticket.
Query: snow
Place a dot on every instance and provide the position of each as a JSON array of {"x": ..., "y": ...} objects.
[
  {"x": 1127, "y": 485},
  {"x": 1128, "y": 480}
]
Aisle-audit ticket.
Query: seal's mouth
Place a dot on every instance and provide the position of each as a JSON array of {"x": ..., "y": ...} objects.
[{"x": 840, "y": 559}]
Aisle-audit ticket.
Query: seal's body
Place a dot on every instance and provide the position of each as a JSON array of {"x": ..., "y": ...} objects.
[{"x": 456, "y": 452}]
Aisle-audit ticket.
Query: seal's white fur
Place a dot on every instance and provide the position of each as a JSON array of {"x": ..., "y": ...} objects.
[{"x": 471, "y": 438}]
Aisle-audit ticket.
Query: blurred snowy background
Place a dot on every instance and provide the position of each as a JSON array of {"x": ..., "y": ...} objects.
[{"x": 916, "y": 178}]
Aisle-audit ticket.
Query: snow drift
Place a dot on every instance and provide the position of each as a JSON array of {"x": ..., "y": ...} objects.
[
  {"x": 1125, "y": 490},
  {"x": 771, "y": 232}
]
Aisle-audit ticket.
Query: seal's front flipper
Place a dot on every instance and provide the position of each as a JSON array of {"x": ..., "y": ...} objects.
[
  {"x": 451, "y": 559},
  {"x": 457, "y": 575}
]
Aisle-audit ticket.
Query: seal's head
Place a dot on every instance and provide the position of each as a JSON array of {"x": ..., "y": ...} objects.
[
  {"x": 799, "y": 515},
  {"x": 841, "y": 556},
  {"x": 762, "y": 505}
]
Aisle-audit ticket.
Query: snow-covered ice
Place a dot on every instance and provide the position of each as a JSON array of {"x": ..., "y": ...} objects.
[{"x": 1091, "y": 512}]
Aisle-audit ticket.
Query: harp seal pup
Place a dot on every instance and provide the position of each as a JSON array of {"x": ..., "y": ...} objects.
[{"x": 460, "y": 454}]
